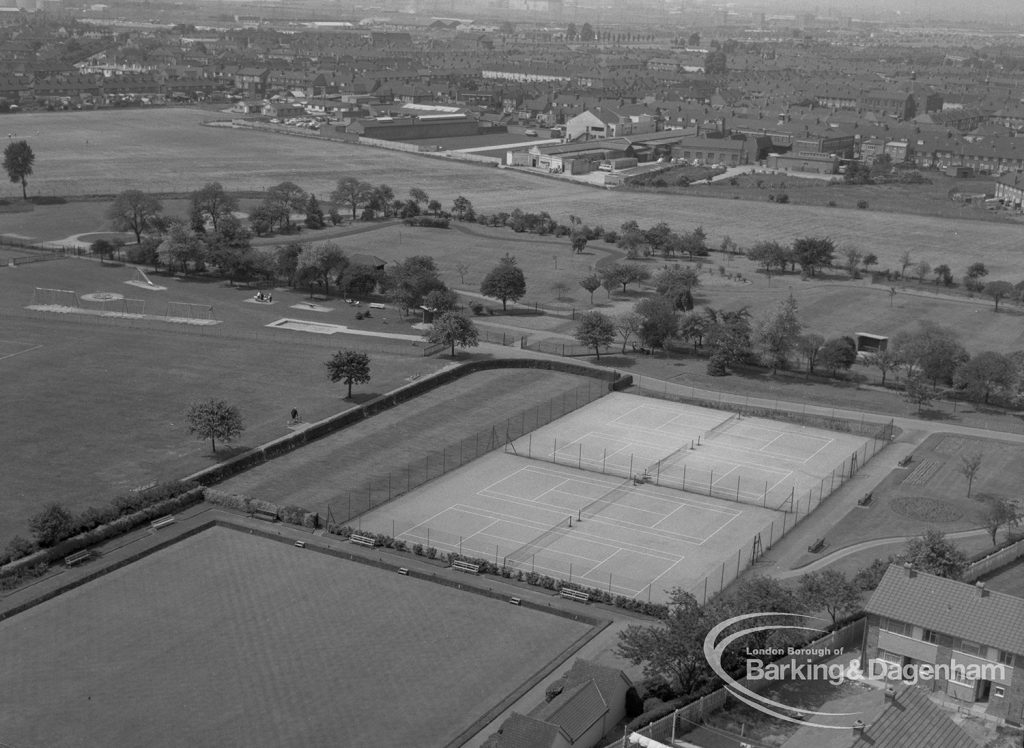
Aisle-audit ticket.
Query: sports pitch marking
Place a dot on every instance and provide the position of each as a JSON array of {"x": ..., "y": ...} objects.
[
  {"x": 24, "y": 348},
  {"x": 325, "y": 328}
]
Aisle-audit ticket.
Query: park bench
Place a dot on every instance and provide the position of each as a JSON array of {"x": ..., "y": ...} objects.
[
  {"x": 515, "y": 601},
  {"x": 403, "y": 571},
  {"x": 300, "y": 543},
  {"x": 265, "y": 515},
  {"x": 816, "y": 546},
  {"x": 78, "y": 557},
  {"x": 864, "y": 500},
  {"x": 368, "y": 540},
  {"x": 377, "y": 306},
  {"x": 577, "y": 595},
  {"x": 162, "y": 522},
  {"x": 906, "y": 461},
  {"x": 466, "y": 566}
]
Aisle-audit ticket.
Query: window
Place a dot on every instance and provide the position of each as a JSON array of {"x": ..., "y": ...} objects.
[
  {"x": 1006, "y": 658},
  {"x": 998, "y": 691},
  {"x": 895, "y": 627},
  {"x": 970, "y": 647},
  {"x": 890, "y": 657}
]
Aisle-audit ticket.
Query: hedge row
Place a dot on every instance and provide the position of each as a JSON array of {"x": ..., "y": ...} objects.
[
  {"x": 99, "y": 533},
  {"x": 531, "y": 578},
  {"x": 293, "y": 515}
]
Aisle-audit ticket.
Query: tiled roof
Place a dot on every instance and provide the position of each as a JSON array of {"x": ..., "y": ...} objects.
[
  {"x": 951, "y": 607},
  {"x": 575, "y": 710},
  {"x": 912, "y": 721},
  {"x": 608, "y": 679},
  {"x": 519, "y": 731}
]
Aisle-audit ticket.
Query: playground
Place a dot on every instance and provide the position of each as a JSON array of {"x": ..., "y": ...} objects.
[{"x": 229, "y": 639}]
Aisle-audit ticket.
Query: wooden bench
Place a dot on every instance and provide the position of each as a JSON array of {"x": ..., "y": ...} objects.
[
  {"x": 466, "y": 566},
  {"x": 577, "y": 595},
  {"x": 864, "y": 500},
  {"x": 515, "y": 601},
  {"x": 300, "y": 543},
  {"x": 367, "y": 540},
  {"x": 77, "y": 558},
  {"x": 816, "y": 546},
  {"x": 162, "y": 522},
  {"x": 265, "y": 515},
  {"x": 906, "y": 461},
  {"x": 377, "y": 306}
]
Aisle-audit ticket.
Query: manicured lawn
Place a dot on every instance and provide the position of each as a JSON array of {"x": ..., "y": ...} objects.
[
  {"x": 931, "y": 493},
  {"x": 1009, "y": 580},
  {"x": 229, "y": 639}
]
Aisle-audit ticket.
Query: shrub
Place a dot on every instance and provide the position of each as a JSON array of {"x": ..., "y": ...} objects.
[
  {"x": 659, "y": 183},
  {"x": 476, "y": 307},
  {"x": 417, "y": 549},
  {"x": 431, "y": 552},
  {"x": 831, "y": 203},
  {"x": 430, "y": 222},
  {"x": 20, "y": 547},
  {"x": 783, "y": 198},
  {"x": 862, "y": 204},
  {"x": 51, "y": 525},
  {"x": 611, "y": 236}
]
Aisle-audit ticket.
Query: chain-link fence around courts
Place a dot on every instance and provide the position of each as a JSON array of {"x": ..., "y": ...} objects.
[{"x": 380, "y": 489}]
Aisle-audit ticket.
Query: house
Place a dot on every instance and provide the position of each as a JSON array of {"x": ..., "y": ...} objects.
[
  {"x": 1010, "y": 190},
  {"x": 282, "y": 110},
  {"x": 734, "y": 151},
  {"x": 252, "y": 81},
  {"x": 971, "y": 638},
  {"x": 603, "y": 122},
  {"x": 591, "y": 703}
]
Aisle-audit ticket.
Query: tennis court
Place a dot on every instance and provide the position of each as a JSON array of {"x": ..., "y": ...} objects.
[
  {"x": 602, "y": 531},
  {"x": 773, "y": 464}
]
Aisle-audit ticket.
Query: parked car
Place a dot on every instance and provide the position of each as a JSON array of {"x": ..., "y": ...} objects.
[{"x": 530, "y": 133}]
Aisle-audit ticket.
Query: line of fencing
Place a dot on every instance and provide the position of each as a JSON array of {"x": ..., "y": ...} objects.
[
  {"x": 380, "y": 489},
  {"x": 568, "y": 349},
  {"x": 994, "y": 561},
  {"x": 676, "y": 725}
]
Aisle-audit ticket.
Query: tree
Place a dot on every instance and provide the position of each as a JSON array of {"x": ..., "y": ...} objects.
[
  {"x": 931, "y": 349},
  {"x": 917, "y": 391},
  {"x": 579, "y": 235},
  {"x": 970, "y": 464},
  {"x": 214, "y": 419},
  {"x": 358, "y": 279},
  {"x": 759, "y": 593},
  {"x": 462, "y": 208},
  {"x": 869, "y": 260},
  {"x": 349, "y": 367},
  {"x": 587, "y": 33},
  {"x": 590, "y": 284},
  {"x": 839, "y": 353},
  {"x": 659, "y": 322},
  {"x": 352, "y": 193},
  {"x": 627, "y": 325},
  {"x": 922, "y": 269},
  {"x": 943, "y": 274},
  {"x": 977, "y": 270},
  {"x": 314, "y": 213},
  {"x": 407, "y": 283},
  {"x": 831, "y": 590},
  {"x": 813, "y": 253},
  {"x": 810, "y": 346},
  {"x": 933, "y": 554},
  {"x": 728, "y": 336},
  {"x": 135, "y": 211},
  {"x": 986, "y": 373},
  {"x": 884, "y": 360},
  {"x": 318, "y": 263},
  {"x": 419, "y": 196},
  {"x": 184, "y": 247},
  {"x": 380, "y": 199},
  {"x": 779, "y": 334},
  {"x": 997, "y": 290},
  {"x": 595, "y": 330},
  {"x": 1001, "y": 512},
  {"x": 675, "y": 283},
  {"x": 905, "y": 262},
  {"x": 212, "y": 203},
  {"x": 18, "y": 161},
  {"x": 673, "y": 648},
  {"x": 453, "y": 329},
  {"x": 693, "y": 326},
  {"x": 284, "y": 199},
  {"x": 504, "y": 282},
  {"x": 441, "y": 300},
  {"x": 51, "y": 525},
  {"x": 102, "y": 248},
  {"x": 570, "y": 32},
  {"x": 434, "y": 206},
  {"x": 769, "y": 255},
  {"x": 230, "y": 249}
]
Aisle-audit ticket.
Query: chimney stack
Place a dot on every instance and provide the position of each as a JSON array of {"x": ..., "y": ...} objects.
[
  {"x": 909, "y": 567},
  {"x": 858, "y": 728},
  {"x": 982, "y": 591},
  {"x": 890, "y": 695}
]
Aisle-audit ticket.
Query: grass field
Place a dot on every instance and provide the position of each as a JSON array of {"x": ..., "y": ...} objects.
[
  {"x": 228, "y": 639},
  {"x": 166, "y": 150},
  {"x": 96, "y": 408}
]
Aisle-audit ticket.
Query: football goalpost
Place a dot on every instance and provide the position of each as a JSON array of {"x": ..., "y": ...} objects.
[
  {"x": 185, "y": 310},
  {"x": 55, "y": 297}
]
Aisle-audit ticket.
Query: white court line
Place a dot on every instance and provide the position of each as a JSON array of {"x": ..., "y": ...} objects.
[
  {"x": 483, "y": 529},
  {"x": 826, "y": 445},
  {"x": 719, "y": 529},
  {"x": 664, "y": 573},
  {"x": 18, "y": 353}
]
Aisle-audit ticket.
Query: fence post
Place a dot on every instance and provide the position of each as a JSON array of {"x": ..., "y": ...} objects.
[
  {"x": 711, "y": 481},
  {"x": 554, "y": 450}
]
